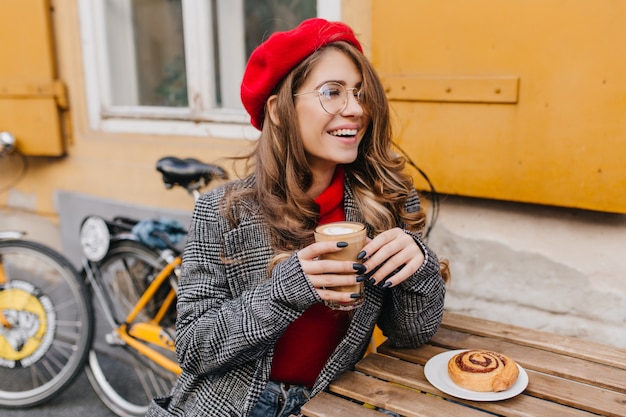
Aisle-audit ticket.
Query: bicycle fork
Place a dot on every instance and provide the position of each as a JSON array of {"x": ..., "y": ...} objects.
[{"x": 139, "y": 335}]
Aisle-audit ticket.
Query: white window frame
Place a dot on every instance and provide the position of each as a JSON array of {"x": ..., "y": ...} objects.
[{"x": 201, "y": 118}]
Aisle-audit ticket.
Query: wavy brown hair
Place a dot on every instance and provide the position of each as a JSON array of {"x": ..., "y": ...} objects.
[{"x": 379, "y": 182}]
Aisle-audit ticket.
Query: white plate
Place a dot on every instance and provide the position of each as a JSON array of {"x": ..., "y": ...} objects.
[{"x": 436, "y": 371}]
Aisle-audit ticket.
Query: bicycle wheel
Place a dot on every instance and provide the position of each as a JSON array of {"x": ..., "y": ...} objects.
[
  {"x": 47, "y": 323},
  {"x": 123, "y": 379}
]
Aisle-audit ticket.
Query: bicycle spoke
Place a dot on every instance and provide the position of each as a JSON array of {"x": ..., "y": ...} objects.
[
  {"x": 152, "y": 385},
  {"x": 71, "y": 324},
  {"x": 67, "y": 304},
  {"x": 64, "y": 350}
]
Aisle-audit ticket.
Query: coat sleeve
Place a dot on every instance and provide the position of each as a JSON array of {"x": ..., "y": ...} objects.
[
  {"x": 232, "y": 312},
  {"x": 413, "y": 310}
]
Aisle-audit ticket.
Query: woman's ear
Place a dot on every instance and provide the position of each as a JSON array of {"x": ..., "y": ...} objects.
[{"x": 271, "y": 106}]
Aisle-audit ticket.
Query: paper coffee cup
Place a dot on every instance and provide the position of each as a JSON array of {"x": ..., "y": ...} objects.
[{"x": 354, "y": 235}]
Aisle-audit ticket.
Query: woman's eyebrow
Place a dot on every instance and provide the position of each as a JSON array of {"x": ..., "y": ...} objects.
[{"x": 342, "y": 82}]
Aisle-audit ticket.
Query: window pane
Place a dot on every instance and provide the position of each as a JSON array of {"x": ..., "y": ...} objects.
[
  {"x": 239, "y": 27},
  {"x": 264, "y": 17},
  {"x": 146, "y": 52}
]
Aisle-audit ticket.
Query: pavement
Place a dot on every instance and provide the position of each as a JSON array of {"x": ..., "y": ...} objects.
[{"x": 78, "y": 400}]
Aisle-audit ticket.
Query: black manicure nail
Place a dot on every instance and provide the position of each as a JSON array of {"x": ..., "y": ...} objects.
[
  {"x": 342, "y": 244},
  {"x": 386, "y": 284},
  {"x": 355, "y": 295},
  {"x": 372, "y": 281},
  {"x": 359, "y": 268},
  {"x": 360, "y": 278},
  {"x": 361, "y": 255}
]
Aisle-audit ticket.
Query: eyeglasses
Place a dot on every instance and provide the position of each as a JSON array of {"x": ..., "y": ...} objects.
[{"x": 334, "y": 97}]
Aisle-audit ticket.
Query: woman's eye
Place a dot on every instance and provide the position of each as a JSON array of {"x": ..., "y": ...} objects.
[{"x": 332, "y": 92}]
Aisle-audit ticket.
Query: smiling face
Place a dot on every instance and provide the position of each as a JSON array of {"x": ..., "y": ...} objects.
[{"x": 330, "y": 139}]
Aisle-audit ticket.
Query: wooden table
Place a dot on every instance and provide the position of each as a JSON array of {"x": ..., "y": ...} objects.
[{"x": 567, "y": 377}]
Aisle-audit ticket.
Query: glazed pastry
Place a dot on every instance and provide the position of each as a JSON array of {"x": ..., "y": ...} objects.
[{"x": 482, "y": 370}]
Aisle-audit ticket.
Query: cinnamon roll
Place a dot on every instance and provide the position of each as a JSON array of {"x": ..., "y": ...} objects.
[{"x": 482, "y": 370}]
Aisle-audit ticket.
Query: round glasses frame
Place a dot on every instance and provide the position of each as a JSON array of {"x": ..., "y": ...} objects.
[{"x": 334, "y": 96}]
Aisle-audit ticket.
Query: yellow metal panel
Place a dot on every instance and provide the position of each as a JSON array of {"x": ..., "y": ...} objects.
[
  {"x": 30, "y": 97},
  {"x": 25, "y": 32},
  {"x": 32, "y": 118},
  {"x": 564, "y": 140},
  {"x": 477, "y": 89}
]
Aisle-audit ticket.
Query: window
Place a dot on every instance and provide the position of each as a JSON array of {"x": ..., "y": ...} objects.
[{"x": 175, "y": 66}]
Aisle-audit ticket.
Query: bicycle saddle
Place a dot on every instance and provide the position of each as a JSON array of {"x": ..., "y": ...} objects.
[{"x": 188, "y": 172}]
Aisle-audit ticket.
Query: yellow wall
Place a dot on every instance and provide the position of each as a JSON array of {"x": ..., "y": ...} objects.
[{"x": 512, "y": 100}]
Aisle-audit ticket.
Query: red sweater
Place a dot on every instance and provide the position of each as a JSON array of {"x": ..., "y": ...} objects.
[{"x": 308, "y": 342}]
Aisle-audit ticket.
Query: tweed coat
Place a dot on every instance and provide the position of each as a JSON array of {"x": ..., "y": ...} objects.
[{"x": 231, "y": 311}]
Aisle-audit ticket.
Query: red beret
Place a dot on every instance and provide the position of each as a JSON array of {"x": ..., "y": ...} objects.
[{"x": 271, "y": 61}]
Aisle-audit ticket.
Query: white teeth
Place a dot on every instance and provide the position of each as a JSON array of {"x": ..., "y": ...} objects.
[{"x": 344, "y": 132}]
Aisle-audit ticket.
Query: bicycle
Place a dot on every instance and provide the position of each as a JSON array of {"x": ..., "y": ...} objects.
[
  {"x": 45, "y": 322},
  {"x": 46, "y": 319},
  {"x": 115, "y": 315},
  {"x": 134, "y": 281}
]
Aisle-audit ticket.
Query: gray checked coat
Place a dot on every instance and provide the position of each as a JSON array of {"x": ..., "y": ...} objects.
[{"x": 231, "y": 313}]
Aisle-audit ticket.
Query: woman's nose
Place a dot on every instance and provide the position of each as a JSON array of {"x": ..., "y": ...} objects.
[{"x": 353, "y": 107}]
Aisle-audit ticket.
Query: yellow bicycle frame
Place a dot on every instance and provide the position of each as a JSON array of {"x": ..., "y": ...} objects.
[{"x": 151, "y": 332}]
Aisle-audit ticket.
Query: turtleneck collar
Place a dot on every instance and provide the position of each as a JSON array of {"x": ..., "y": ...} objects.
[{"x": 331, "y": 199}]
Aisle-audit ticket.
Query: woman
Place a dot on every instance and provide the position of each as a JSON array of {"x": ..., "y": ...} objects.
[{"x": 254, "y": 337}]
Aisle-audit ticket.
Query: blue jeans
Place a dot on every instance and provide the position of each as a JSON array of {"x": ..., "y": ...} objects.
[{"x": 280, "y": 400}]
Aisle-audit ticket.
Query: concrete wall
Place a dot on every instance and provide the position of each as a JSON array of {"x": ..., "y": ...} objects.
[
  {"x": 552, "y": 269},
  {"x": 38, "y": 228}
]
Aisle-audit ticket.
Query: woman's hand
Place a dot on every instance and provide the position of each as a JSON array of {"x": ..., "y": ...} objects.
[
  {"x": 325, "y": 274},
  {"x": 390, "y": 251}
]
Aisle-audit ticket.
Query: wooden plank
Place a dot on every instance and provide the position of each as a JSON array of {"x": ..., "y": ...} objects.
[
  {"x": 401, "y": 400},
  {"x": 578, "y": 348},
  {"x": 596, "y": 400},
  {"x": 540, "y": 360},
  {"x": 560, "y": 390},
  {"x": 328, "y": 405},
  {"x": 412, "y": 375},
  {"x": 419, "y": 356}
]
